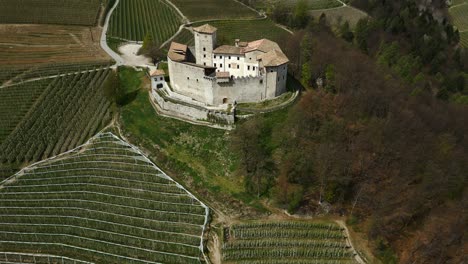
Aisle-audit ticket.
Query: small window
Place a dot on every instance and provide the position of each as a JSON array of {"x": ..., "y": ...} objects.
[
  {"x": 215, "y": 56},
  {"x": 254, "y": 68},
  {"x": 161, "y": 78},
  {"x": 271, "y": 70},
  {"x": 261, "y": 81},
  {"x": 204, "y": 55},
  {"x": 238, "y": 58},
  {"x": 215, "y": 64},
  {"x": 220, "y": 56},
  {"x": 204, "y": 49},
  {"x": 221, "y": 65},
  {"x": 188, "y": 78},
  {"x": 229, "y": 57},
  {"x": 197, "y": 80},
  {"x": 229, "y": 65},
  {"x": 237, "y": 66},
  {"x": 248, "y": 68},
  {"x": 204, "y": 63}
]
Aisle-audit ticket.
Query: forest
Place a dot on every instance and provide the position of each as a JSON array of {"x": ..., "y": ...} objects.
[{"x": 382, "y": 137}]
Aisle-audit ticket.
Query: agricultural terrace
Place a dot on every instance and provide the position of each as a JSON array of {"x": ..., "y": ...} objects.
[
  {"x": 335, "y": 16},
  {"x": 67, "y": 112},
  {"x": 213, "y": 9},
  {"x": 21, "y": 73},
  {"x": 36, "y": 44},
  {"x": 134, "y": 19},
  {"x": 311, "y": 4},
  {"x": 62, "y": 12},
  {"x": 103, "y": 202},
  {"x": 229, "y": 30},
  {"x": 459, "y": 13},
  {"x": 286, "y": 242}
]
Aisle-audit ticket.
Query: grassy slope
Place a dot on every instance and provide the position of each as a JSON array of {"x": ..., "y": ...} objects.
[
  {"x": 337, "y": 15},
  {"x": 133, "y": 20},
  {"x": 50, "y": 12},
  {"x": 213, "y": 9},
  {"x": 199, "y": 156},
  {"x": 312, "y": 4}
]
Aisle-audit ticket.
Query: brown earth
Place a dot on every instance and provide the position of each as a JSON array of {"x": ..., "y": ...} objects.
[{"x": 22, "y": 44}]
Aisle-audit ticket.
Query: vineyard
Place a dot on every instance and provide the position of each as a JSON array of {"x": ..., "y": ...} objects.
[
  {"x": 459, "y": 14},
  {"x": 246, "y": 30},
  {"x": 213, "y": 9},
  {"x": 67, "y": 112},
  {"x": 102, "y": 202},
  {"x": 64, "y": 12},
  {"x": 286, "y": 242},
  {"x": 134, "y": 19},
  {"x": 19, "y": 74}
]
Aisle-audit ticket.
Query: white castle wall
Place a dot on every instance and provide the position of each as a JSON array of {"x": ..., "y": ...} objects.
[
  {"x": 189, "y": 80},
  {"x": 191, "y": 112}
]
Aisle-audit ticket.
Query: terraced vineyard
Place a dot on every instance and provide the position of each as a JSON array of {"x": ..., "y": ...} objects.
[
  {"x": 286, "y": 242},
  {"x": 229, "y": 30},
  {"x": 134, "y": 19},
  {"x": 102, "y": 202},
  {"x": 459, "y": 14},
  {"x": 65, "y": 12},
  {"x": 68, "y": 111},
  {"x": 16, "y": 102},
  {"x": 18, "y": 74},
  {"x": 213, "y": 9}
]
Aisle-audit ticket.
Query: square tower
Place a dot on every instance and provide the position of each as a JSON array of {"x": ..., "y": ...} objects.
[{"x": 205, "y": 42}]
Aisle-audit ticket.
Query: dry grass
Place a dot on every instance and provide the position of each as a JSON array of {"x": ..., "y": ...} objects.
[
  {"x": 33, "y": 44},
  {"x": 338, "y": 15}
]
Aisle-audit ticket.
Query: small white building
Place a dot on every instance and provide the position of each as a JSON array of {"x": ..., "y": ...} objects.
[{"x": 157, "y": 79}]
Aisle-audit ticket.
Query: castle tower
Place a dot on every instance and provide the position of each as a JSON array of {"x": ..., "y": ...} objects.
[{"x": 205, "y": 42}]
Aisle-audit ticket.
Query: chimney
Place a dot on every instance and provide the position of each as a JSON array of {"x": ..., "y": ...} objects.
[{"x": 237, "y": 42}]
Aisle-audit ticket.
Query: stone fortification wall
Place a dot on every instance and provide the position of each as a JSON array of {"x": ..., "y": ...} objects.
[
  {"x": 189, "y": 80},
  {"x": 183, "y": 110},
  {"x": 241, "y": 89}
]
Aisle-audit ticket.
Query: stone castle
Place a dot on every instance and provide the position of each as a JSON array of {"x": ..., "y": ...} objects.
[
  {"x": 207, "y": 81},
  {"x": 215, "y": 75}
]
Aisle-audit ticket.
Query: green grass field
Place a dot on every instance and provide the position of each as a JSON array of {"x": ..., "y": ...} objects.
[
  {"x": 69, "y": 12},
  {"x": 104, "y": 202},
  {"x": 67, "y": 112},
  {"x": 338, "y": 15},
  {"x": 459, "y": 15},
  {"x": 213, "y": 9},
  {"x": 230, "y": 30},
  {"x": 286, "y": 242},
  {"x": 311, "y": 4},
  {"x": 134, "y": 19}
]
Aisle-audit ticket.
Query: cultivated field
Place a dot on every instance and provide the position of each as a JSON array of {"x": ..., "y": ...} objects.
[
  {"x": 336, "y": 16},
  {"x": 213, "y": 9},
  {"x": 35, "y": 44},
  {"x": 459, "y": 14},
  {"x": 104, "y": 202},
  {"x": 311, "y": 4},
  {"x": 134, "y": 19},
  {"x": 64, "y": 12},
  {"x": 286, "y": 242},
  {"x": 67, "y": 112},
  {"x": 16, "y": 102},
  {"x": 246, "y": 30}
]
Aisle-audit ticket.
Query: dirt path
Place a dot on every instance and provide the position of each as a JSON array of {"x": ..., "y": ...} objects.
[
  {"x": 103, "y": 42},
  {"x": 350, "y": 242}
]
